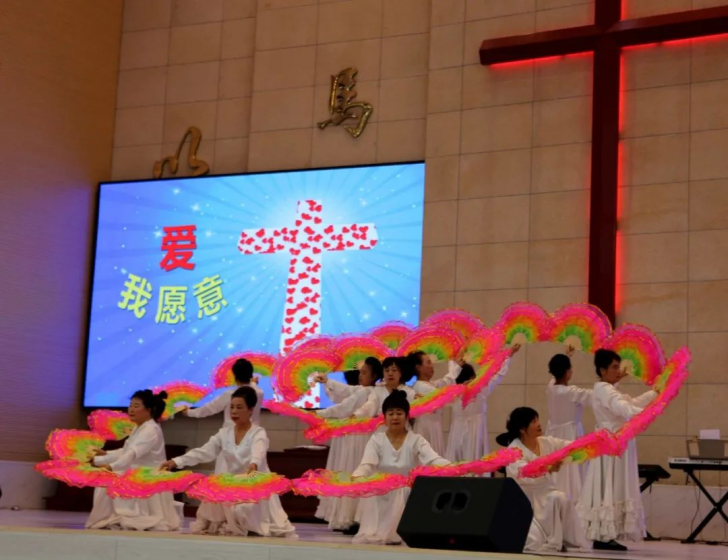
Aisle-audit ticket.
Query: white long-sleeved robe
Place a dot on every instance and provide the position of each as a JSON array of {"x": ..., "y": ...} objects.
[
  {"x": 221, "y": 403},
  {"x": 380, "y": 515},
  {"x": 430, "y": 425},
  {"x": 468, "y": 437},
  {"x": 555, "y": 521},
  {"x": 266, "y": 518},
  {"x": 610, "y": 504},
  {"x": 143, "y": 448},
  {"x": 345, "y": 455},
  {"x": 565, "y": 403},
  {"x": 338, "y": 391}
]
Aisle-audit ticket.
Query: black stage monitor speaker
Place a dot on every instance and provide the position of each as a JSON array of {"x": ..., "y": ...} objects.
[{"x": 475, "y": 514}]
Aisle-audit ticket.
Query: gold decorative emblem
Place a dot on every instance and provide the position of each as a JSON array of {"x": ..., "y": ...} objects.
[
  {"x": 198, "y": 166},
  {"x": 342, "y": 106}
]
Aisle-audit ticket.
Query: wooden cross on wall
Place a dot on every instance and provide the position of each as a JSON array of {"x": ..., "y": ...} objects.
[{"x": 605, "y": 38}]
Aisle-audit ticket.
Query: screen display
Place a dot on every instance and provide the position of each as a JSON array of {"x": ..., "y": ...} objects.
[{"x": 188, "y": 272}]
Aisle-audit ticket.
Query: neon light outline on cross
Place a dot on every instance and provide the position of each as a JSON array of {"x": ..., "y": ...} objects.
[
  {"x": 606, "y": 38},
  {"x": 306, "y": 242}
]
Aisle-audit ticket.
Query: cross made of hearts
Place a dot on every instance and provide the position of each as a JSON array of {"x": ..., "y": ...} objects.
[{"x": 306, "y": 241}]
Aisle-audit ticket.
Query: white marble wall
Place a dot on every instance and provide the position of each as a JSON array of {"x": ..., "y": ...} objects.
[{"x": 23, "y": 487}]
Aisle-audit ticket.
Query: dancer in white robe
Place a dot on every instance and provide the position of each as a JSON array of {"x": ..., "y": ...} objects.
[
  {"x": 610, "y": 504},
  {"x": 396, "y": 450},
  {"x": 565, "y": 404},
  {"x": 556, "y": 525},
  {"x": 345, "y": 452},
  {"x": 244, "y": 446},
  {"x": 395, "y": 377},
  {"x": 468, "y": 436},
  {"x": 243, "y": 373},
  {"x": 143, "y": 448},
  {"x": 430, "y": 425}
]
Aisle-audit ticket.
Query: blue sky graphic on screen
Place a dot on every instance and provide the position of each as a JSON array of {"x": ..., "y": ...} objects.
[{"x": 163, "y": 311}]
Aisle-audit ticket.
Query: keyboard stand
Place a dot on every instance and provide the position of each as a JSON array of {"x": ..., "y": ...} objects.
[
  {"x": 690, "y": 468},
  {"x": 717, "y": 508},
  {"x": 651, "y": 474}
]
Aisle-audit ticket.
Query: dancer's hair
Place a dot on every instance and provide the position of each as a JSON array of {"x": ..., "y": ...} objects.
[
  {"x": 155, "y": 404},
  {"x": 396, "y": 399},
  {"x": 559, "y": 365},
  {"x": 243, "y": 371},
  {"x": 603, "y": 359},
  {"x": 248, "y": 394},
  {"x": 467, "y": 372},
  {"x": 519, "y": 419},
  {"x": 401, "y": 364}
]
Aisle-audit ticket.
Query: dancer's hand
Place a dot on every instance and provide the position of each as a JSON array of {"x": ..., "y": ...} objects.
[
  {"x": 570, "y": 350},
  {"x": 320, "y": 378},
  {"x": 105, "y": 467},
  {"x": 168, "y": 466},
  {"x": 460, "y": 357},
  {"x": 252, "y": 468},
  {"x": 256, "y": 379},
  {"x": 99, "y": 453},
  {"x": 183, "y": 411},
  {"x": 556, "y": 467},
  {"x": 515, "y": 348}
]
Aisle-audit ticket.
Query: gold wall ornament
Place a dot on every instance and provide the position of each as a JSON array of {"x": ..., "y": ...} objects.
[
  {"x": 198, "y": 166},
  {"x": 342, "y": 106}
]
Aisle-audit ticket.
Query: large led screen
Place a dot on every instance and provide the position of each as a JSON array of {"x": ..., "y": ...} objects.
[{"x": 188, "y": 272}]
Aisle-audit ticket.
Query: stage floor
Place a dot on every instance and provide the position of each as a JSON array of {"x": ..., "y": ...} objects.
[{"x": 32, "y": 534}]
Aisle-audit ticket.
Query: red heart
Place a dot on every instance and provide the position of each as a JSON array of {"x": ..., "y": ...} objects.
[
  {"x": 289, "y": 300},
  {"x": 315, "y": 280},
  {"x": 292, "y": 269},
  {"x": 349, "y": 243},
  {"x": 316, "y": 250},
  {"x": 248, "y": 240},
  {"x": 295, "y": 252},
  {"x": 291, "y": 290},
  {"x": 318, "y": 399},
  {"x": 290, "y": 312},
  {"x": 313, "y": 311},
  {"x": 279, "y": 247},
  {"x": 298, "y": 223},
  {"x": 317, "y": 220},
  {"x": 304, "y": 320},
  {"x": 318, "y": 208},
  {"x": 288, "y": 320},
  {"x": 329, "y": 230},
  {"x": 363, "y": 228},
  {"x": 292, "y": 281},
  {"x": 372, "y": 242},
  {"x": 308, "y": 260},
  {"x": 260, "y": 232},
  {"x": 309, "y": 230},
  {"x": 307, "y": 405},
  {"x": 306, "y": 290},
  {"x": 302, "y": 275},
  {"x": 345, "y": 229},
  {"x": 305, "y": 217}
]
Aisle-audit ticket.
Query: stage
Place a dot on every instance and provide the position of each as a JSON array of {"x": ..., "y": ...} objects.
[{"x": 35, "y": 534}]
